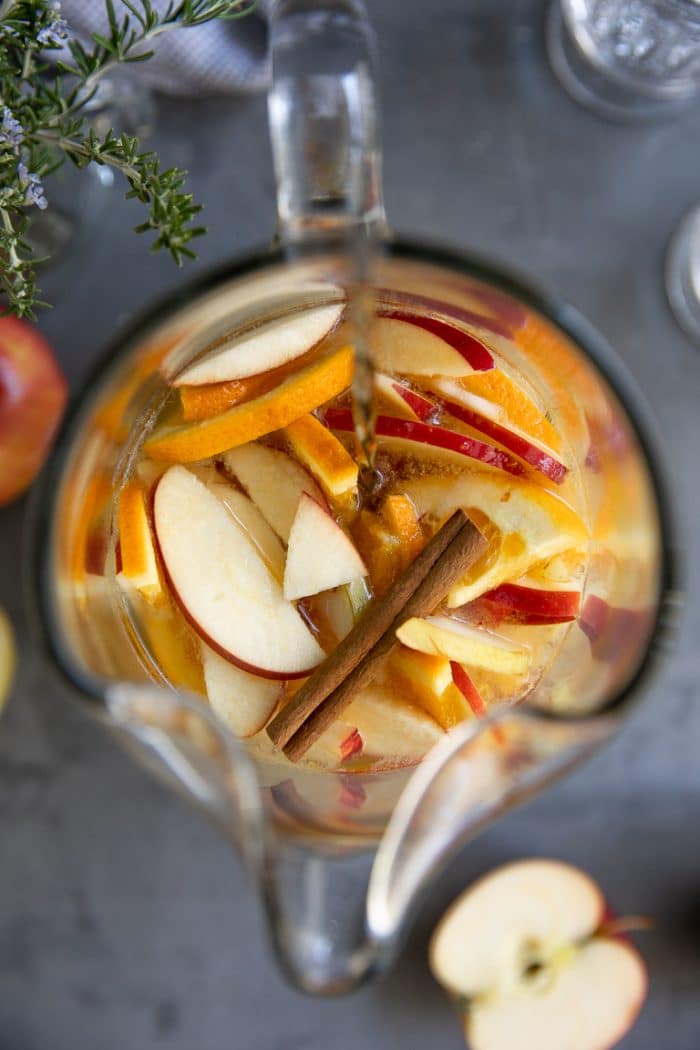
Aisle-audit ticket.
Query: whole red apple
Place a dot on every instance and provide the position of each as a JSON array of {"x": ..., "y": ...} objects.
[{"x": 33, "y": 394}]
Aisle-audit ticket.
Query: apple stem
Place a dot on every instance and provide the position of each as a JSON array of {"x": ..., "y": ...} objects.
[{"x": 626, "y": 924}]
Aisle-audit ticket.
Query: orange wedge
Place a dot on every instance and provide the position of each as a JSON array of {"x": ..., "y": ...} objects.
[
  {"x": 427, "y": 680},
  {"x": 500, "y": 389},
  {"x": 321, "y": 451},
  {"x": 8, "y": 657},
  {"x": 400, "y": 516},
  {"x": 139, "y": 565},
  {"x": 300, "y": 393}
]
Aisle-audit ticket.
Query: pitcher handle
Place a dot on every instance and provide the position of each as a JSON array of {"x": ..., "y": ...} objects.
[
  {"x": 482, "y": 769},
  {"x": 324, "y": 121}
]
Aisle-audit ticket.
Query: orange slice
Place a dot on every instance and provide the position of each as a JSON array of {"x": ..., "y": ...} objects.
[
  {"x": 8, "y": 657},
  {"x": 497, "y": 387},
  {"x": 400, "y": 515},
  {"x": 138, "y": 556},
  {"x": 93, "y": 503},
  {"x": 300, "y": 393},
  {"x": 426, "y": 679},
  {"x": 201, "y": 402},
  {"x": 526, "y": 524},
  {"x": 321, "y": 451}
]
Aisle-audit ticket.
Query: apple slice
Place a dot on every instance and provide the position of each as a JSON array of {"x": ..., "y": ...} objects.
[
  {"x": 254, "y": 524},
  {"x": 274, "y": 481},
  {"x": 467, "y": 645},
  {"x": 403, "y": 397},
  {"x": 399, "y": 732},
  {"x": 324, "y": 455},
  {"x": 468, "y": 690},
  {"x": 424, "y": 346},
  {"x": 526, "y": 948},
  {"x": 532, "y": 524},
  {"x": 139, "y": 567},
  {"x": 320, "y": 555},
  {"x": 222, "y": 584},
  {"x": 243, "y": 701},
  {"x": 516, "y": 603},
  {"x": 542, "y": 459},
  {"x": 418, "y": 435},
  {"x": 264, "y": 347}
]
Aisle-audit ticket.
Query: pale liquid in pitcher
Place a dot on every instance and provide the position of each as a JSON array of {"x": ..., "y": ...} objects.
[{"x": 241, "y": 549}]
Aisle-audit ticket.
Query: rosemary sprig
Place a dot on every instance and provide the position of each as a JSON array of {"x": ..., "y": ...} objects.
[{"x": 43, "y": 123}]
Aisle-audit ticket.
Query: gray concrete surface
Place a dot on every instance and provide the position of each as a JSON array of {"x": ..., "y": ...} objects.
[{"x": 125, "y": 923}]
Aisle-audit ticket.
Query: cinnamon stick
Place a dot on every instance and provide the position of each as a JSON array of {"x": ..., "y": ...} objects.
[
  {"x": 377, "y": 619},
  {"x": 464, "y": 548}
]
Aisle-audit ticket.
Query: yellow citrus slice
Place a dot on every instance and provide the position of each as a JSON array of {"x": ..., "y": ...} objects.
[
  {"x": 321, "y": 451},
  {"x": 8, "y": 657},
  {"x": 297, "y": 395}
]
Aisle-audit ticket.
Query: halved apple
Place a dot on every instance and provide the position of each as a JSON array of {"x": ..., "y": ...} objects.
[
  {"x": 459, "y": 641},
  {"x": 425, "y": 346},
  {"x": 264, "y": 347},
  {"x": 531, "y": 523},
  {"x": 320, "y": 555},
  {"x": 274, "y": 481},
  {"x": 525, "y": 953},
  {"x": 222, "y": 584},
  {"x": 243, "y": 701}
]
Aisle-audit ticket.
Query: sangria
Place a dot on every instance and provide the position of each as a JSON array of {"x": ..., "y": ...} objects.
[{"x": 219, "y": 533}]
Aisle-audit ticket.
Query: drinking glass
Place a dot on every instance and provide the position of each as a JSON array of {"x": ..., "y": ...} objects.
[
  {"x": 626, "y": 59},
  {"x": 340, "y": 856},
  {"x": 683, "y": 274}
]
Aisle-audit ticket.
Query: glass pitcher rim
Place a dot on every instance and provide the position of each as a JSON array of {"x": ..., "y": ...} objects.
[{"x": 92, "y": 687}]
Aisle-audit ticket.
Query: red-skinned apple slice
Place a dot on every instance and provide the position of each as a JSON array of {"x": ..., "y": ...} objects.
[
  {"x": 265, "y": 347},
  {"x": 320, "y": 555},
  {"x": 418, "y": 433},
  {"x": 467, "y": 688},
  {"x": 526, "y": 948},
  {"x": 422, "y": 346},
  {"x": 533, "y": 605},
  {"x": 390, "y": 298},
  {"x": 404, "y": 397},
  {"x": 222, "y": 584},
  {"x": 274, "y": 481},
  {"x": 542, "y": 459},
  {"x": 243, "y": 701}
]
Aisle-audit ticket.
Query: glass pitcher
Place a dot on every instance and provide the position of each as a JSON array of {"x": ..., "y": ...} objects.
[{"x": 341, "y": 857}]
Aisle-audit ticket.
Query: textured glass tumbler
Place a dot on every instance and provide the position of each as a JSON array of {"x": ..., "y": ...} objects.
[
  {"x": 627, "y": 59},
  {"x": 683, "y": 274}
]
